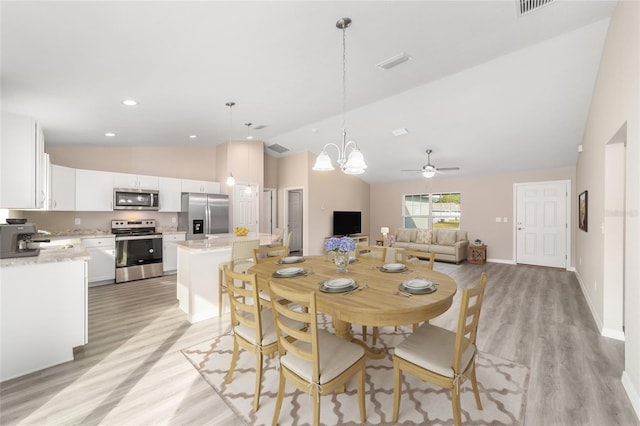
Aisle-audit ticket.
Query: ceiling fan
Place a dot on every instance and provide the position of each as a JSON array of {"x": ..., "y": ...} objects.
[{"x": 429, "y": 170}]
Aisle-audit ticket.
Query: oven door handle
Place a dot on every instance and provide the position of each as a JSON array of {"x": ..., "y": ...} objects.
[{"x": 138, "y": 237}]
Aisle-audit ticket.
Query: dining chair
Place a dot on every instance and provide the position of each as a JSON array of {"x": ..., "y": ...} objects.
[
  {"x": 269, "y": 253},
  {"x": 279, "y": 237},
  {"x": 314, "y": 361},
  {"x": 253, "y": 327},
  {"x": 442, "y": 357},
  {"x": 241, "y": 260},
  {"x": 406, "y": 255}
]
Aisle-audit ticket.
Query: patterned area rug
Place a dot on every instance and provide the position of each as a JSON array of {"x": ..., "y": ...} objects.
[{"x": 503, "y": 389}]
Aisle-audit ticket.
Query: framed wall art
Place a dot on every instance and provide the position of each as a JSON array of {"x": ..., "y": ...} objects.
[{"x": 583, "y": 210}]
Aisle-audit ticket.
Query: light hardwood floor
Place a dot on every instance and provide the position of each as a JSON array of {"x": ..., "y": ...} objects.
[{"x": 133, "y": 373}]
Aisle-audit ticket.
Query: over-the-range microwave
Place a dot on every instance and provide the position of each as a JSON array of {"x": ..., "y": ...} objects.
[{"x": 135, "y": 199}]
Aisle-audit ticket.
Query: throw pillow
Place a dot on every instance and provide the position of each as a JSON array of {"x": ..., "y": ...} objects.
[
  {"x": 423, "y": 237},
  {"x": 446, "y": 238},
  {"x": 403, "y": 235}
]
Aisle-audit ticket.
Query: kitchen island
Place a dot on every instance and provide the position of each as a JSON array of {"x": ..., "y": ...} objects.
[
  {"x": 43, "y": 307},
  {"x": 198, "y": 262}
]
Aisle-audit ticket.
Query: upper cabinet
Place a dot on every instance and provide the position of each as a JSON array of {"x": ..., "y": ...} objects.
[
  {"x": 170, "y": 192},
  {"x": 201, "y": 186},
  {"x": 62, "y": 184},
  {"x": 23, "y": 171},
  {"x": 131, "y": 181},
  {"x": 94, "y": 190}
]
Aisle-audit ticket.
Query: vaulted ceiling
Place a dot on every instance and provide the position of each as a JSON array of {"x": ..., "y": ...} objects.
[{"x": 488, "y": 90}]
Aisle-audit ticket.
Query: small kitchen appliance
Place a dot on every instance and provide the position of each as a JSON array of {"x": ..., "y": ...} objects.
[
  {"x": 15, "y": 239},
  {"x": 138, "y": 249}
]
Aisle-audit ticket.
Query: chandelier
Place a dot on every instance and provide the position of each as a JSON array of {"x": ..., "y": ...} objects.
[{"x": 350, "y": 158}]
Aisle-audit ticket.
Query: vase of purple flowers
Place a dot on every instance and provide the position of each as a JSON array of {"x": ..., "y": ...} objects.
[{"x": 340, "y": 247}]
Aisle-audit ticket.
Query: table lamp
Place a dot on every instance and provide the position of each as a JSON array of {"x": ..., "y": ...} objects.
[{"x": 384, "y": 231}]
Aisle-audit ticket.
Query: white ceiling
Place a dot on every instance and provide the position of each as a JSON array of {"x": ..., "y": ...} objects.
[{"x": 487, "y": 90}]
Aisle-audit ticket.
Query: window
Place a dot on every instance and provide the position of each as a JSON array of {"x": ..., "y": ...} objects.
[{"x": 430, "y": 211}]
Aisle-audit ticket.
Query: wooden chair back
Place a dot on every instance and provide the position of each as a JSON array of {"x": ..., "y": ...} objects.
[
  {"x": 244, "y": 300},
  {"x": 302, "y": 309},
  {"x": 273, "y": 254},
  {"x": 405, "y": 255},
  {"x": 467, "y": 330},
  {"x": 371, "y": 252},
  {"x": 243, "y": 250}
]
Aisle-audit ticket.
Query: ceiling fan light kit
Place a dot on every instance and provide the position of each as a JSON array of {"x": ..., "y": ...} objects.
[
  {"x": 352, "y": 163},
  {"x": 429, "y": 170}
]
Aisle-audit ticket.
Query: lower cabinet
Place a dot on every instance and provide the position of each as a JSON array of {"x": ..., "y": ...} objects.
[
  {"x": 102, "y": 266},
  {"x": 170, "y": 252}
]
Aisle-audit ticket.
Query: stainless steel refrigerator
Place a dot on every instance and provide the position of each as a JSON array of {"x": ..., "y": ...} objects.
[{"x": 203, "y": 214}]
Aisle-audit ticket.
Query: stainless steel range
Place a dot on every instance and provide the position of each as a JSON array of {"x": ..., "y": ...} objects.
[{"x": 138, "y": 249}]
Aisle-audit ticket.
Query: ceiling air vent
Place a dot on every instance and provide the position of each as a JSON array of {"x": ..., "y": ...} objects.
[
  {"x": 278, "y": 148},
  {"x": 528, "y": 6},
  {"x": 394, "y": 61}
]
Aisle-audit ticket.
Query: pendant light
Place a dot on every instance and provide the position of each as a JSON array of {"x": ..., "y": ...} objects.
[
  {"x": 230, "y": 179},
  {"x": 353, "y": 162},
  {"x": 248, "y": 131}
]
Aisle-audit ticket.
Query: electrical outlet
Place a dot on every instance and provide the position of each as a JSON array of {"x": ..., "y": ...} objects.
[
  {"x": 173, "y": 219},
  {"x": 78, "y": 221},
  {"x": 505, "y": 220},
  {"x": 498, "y": 219}
]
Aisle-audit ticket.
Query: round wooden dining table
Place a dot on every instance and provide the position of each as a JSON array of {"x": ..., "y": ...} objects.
[{"x": 376, "y": 302}]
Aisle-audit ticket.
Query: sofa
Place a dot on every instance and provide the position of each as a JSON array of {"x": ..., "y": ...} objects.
[{"x": 449, "y": 245}]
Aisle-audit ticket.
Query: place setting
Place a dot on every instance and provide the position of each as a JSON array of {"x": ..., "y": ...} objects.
[
  {"x": 290, "y": 272},
  {"x": 417, "y": 286},
  {"x": 339, "y": 285},
  {"x": 394, "y": 267},
  {"x": 290, "y": 259}
]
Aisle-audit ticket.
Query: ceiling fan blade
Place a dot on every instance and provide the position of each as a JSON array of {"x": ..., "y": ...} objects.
[
  {"x": 411, "y": 170},
  {"x": 441, "y": 169}
]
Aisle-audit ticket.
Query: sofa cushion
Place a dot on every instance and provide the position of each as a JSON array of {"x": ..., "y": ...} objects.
[
  {"x": 401, "y": 244},
  {"x": 461, "y": 235},
  {"x": 446, "y": 237},
  {"x": 423, "y": 236},
  {"x": 442, "y": 249},
  {"x": 403, "y": 235}
]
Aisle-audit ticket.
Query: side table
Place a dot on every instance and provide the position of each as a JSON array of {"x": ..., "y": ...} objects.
[
  {"x": 380, "y": 242},
  {"x": 477, "y": 254}
]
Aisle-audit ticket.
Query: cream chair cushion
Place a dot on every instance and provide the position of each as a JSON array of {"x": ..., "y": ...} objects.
[
  {"x": 336, "y": 355},
  {"x": 431, "y": 348}
]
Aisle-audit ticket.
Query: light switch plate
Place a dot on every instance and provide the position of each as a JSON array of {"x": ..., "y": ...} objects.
[
  {"x": 78, "y": 221},
  {"x": 498, "y": 219}
]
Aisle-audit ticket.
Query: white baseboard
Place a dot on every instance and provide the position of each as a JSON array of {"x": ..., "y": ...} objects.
[
  {"x": 613, "y": 334},
  {"x": 592, "y": 308},
  {"x": 505, "y": 261},
  {"x": 571, "y": 269},
  {"x": 632, "y": 392}
]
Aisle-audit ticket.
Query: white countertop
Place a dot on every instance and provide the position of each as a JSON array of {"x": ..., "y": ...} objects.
[
  {"x": 60, "y": 249},
  {"x": 222, "y": 241}
]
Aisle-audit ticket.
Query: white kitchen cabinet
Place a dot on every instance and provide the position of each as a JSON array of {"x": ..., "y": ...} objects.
[
  {"x": 132, "y": 181},
  {"x": 200, "y": 186},
  {"x": 94, "y": 190},
  {"x": 102, "y": 265},
  {"x": 170, "y": 194},
  {"x": 170, "y": 251},
  {"x": 22, "y": 172},
  {"x": 43, "y": 315},
  {"x": 62, "y": 184}
]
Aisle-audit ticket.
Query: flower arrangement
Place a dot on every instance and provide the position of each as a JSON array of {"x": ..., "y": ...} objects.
[
  {"x": 343, "y": 244},
  {"x": 390, "y": 240}
]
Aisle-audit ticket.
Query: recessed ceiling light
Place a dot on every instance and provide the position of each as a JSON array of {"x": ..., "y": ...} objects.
[
  {"x": 130, "y": 102},
  {"x": 400, "y": 131},
  {"x": 109, "y": 134},
  {"x": 193, "y": 136}
]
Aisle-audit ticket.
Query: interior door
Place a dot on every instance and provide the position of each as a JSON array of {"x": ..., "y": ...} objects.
[
  {"x": 245, "y": 207},
  {"x": 541, "y": 224},
  {"x": 268, "y": 211},
  {"x": 294, "y": 218}
]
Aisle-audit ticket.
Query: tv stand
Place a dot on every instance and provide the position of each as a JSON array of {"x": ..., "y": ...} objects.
[{"x": 357, "y": 238}]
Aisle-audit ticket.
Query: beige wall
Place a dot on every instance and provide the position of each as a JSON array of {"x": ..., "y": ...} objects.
[
  {"x": 483, "y": 199},
  {"x": 615, "y": 102},
  {"x": 334, "y": 191},
  {"x": 270, "y": 171},
  {"x": 179, "y": 162}
]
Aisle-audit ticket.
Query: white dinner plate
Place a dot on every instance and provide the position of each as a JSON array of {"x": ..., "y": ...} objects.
[
  {"x": 292, "y": 259},
  {"x": 418, "y": 284},
  {"x": 288, "y": 272},
  {"x": 394, "y": 266},
  {"x": 339, "y": 283}
]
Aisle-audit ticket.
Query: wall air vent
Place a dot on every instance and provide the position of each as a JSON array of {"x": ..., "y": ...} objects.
[
  {"x": 394, "y": 61},
  {"x": 278, "y": 148},
  {"x": 528, "y": 6}
]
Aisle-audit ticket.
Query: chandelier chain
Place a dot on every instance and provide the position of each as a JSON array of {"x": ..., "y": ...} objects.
[{"x": 344, "y": 77}]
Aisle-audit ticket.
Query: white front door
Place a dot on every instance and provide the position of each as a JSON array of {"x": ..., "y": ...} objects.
[
  {"x": 245, "y": 207},
  {"x": 541, "y": 224}
]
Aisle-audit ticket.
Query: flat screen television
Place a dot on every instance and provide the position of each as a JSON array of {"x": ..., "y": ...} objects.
[{"x": 347, "y": 223}]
